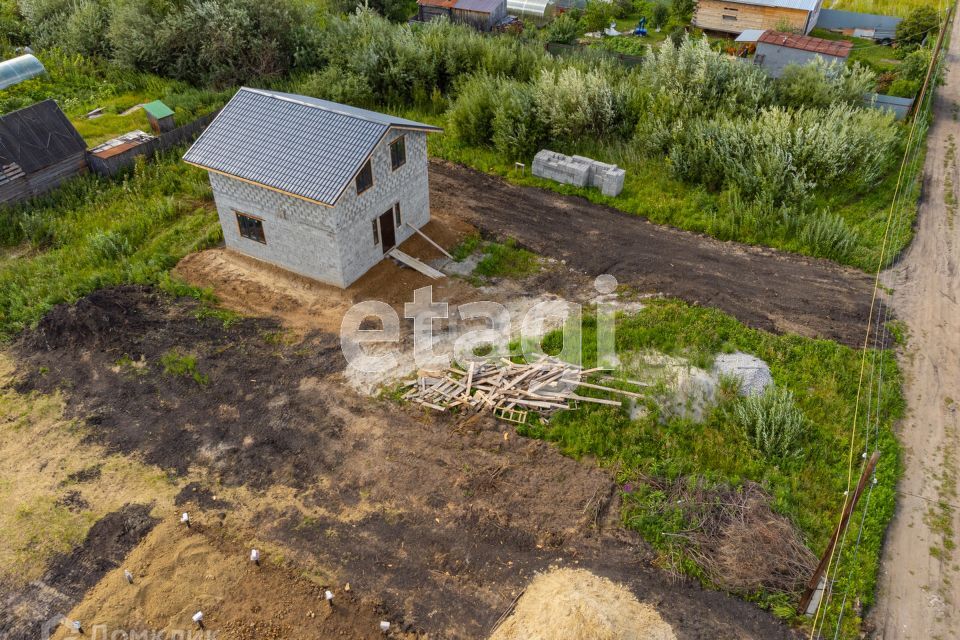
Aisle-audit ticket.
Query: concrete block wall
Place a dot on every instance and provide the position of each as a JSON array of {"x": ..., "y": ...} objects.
[
  {"x": 579, "y": 171},
  {"x": 331, "y": 244},
  {"x": 300, "y": 236},
  {"x": 407, "y": 185}
]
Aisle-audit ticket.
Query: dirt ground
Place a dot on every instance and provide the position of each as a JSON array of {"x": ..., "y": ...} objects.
[
  {"x": 762, "y": 288},
  {"x": 919, "y": 584},
  {"x": 437, "y": 524}
]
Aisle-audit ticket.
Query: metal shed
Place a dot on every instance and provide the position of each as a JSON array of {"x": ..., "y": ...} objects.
[
  {"x": 18, "y": 69},
  {"x": 483, "y": 15}
]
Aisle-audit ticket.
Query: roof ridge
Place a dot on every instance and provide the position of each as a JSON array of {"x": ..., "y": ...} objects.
[{"x": 290, "y": 98}]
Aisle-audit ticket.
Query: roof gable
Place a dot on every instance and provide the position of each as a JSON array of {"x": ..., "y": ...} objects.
[
  {"x": 838, "y": 48},
  {"x": 302, "y": 146},
  {"x": 38, "y": 136}
]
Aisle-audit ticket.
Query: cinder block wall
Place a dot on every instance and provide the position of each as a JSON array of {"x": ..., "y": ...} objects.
[
  {"x": 300, "y": 235},
  {"x": 408, "y": 185},
  {"x": 331, "y": 244}
]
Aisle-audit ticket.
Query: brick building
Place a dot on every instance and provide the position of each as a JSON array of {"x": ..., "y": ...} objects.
[{"x": 319, "y": 188}]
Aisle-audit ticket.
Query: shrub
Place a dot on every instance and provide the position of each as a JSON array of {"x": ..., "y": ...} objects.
[
  {"x": 659, "y": 15},
  {"x": 819, "y": 84},
  {"x": 828, "y": 236},
  {"x": 564, "y": 29},
  {"x": 682, "y": 10},
  {"x": 471, "y": 116},
  {"x": 517, "y": 127},
  {"x": 772, "y": 422},
  {"x": 574, "y": 103},
  {"x": 917, "y": 26},
  {"x": 597, "y": 15}
]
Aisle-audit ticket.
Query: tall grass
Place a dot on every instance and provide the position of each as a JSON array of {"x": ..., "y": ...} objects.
[
  {"x": 900, "y": 8},
  {"x": 94, "y": 233}
]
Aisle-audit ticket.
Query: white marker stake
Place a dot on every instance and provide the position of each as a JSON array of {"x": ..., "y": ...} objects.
[
  {"x": 77, "y": 626},
  {"x": 185, "y": 519},
  {"x": 255, "y": 556},
  {"x": 329, "y": 596},
  {"x": 198, "y": 618},
  {"x": 128, "y": 576},
  {"x": 384, "y": 626}
]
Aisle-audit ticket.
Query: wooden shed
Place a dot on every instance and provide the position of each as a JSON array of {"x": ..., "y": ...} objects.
[
  {"x": 39, "y": 149},
  {"x": 482, "y": 15},
  {"x": 736, "y": 16}
]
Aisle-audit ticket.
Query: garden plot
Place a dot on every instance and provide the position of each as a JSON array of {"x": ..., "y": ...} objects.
[{"x": 438, "y": 523}]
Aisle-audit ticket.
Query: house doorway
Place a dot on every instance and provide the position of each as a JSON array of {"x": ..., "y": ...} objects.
[{"x": 388, "y": 235}]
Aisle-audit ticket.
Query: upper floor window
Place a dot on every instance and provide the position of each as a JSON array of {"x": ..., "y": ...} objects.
[
  {"x": 365, "y": 178},
  {"x": 398, "y": 152}
]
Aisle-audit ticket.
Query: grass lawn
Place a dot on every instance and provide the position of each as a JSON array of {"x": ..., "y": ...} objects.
[
  {"x": 806, "y": 487},
  {"x": 95, "y": 232},
  {"x": 868, "y": 53},
  {"x": 900, "y": 8}
]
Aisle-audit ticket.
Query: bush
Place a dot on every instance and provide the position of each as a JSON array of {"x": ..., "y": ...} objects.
[
  {"x": 819, "y": 84},
  {"x": 564, "y": 29},
  {"x": 682, "y": 10},
  {"x": 772, "y": 422},
  {"x": 517, "y": 128},
  {"x": 598, "y": 15},
  {"x": 575, "y": 103},
  {"x": 659, "y": 15},
  {"x": 917, "y": 26},
  {"x": 470, "y": 118},
  {"x": 828, "y": 236}
]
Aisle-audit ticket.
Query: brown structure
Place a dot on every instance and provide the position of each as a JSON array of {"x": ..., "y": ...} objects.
[
  {"x": 482, "y": 15},
  {"x": 39, "y": 149},
  {"x": 737, "y": 16}
]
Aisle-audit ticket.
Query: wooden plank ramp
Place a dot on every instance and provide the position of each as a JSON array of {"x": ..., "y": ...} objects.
[{"x": 415, "y": 264}]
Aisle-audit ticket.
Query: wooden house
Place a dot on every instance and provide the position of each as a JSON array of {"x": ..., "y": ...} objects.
[
  {"x": 736, "y": 16},
  {"x": 39, "y": 149},
  {"x": 482, "y": 15},
  {"x": 324, "y": 190}
]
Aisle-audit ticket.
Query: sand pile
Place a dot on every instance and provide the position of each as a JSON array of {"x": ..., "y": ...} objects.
[{"x": 573, "y": 604}]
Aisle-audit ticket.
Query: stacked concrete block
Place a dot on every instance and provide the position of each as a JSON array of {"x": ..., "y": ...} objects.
[{"x": 579, "y": 171}]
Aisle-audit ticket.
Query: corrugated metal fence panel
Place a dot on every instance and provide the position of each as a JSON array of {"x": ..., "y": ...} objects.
[
  {"x": 900, "y": 106},
  {"x": 885, "y": 26}
]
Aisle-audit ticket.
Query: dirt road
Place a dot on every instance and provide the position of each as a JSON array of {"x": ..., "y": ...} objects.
[
  {"x": 919, "y": 594},
  {"x": 763, "y": 288}
]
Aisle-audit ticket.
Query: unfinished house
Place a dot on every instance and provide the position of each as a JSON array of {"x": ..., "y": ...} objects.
[
  {"x": 736, "y": 16},
  {"x": 319, "y": 188},
  {"x": 39, "y": 149}
]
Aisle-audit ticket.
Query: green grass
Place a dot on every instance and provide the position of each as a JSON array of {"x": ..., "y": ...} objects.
[
  {"x": 900, "y": 8},
  {"x": 94, "y": 233},
  {"x": 506, "y": 260},
  {"x": 807, "y": 488},
  {"x": 651, "y": 192},
  {"x": 80, "y": 85},
  {"x": 182, "y": 365}
]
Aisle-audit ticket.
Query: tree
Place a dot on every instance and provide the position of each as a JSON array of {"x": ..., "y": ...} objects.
[
  {"x": 659, "y": 15},
  {"x": 683, "y": 9},
  {"x": 597, "y": 15},
  {"x": 921, "y": 22}
]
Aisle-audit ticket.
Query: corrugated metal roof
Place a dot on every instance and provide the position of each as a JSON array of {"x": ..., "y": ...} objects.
[
  {"x": 480, "y": 6},
  {"x": 805, "y": 5},
  {"x": 303, "y": 146},
  {"x": 38, "y": 136},
  {"x": 839, "y": 48},
  {"x": 750, "y": 35}
]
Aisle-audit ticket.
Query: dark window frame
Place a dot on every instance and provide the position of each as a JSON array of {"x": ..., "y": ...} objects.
[
  {"x": 402, "y": 141},
  {"x": 261, "y": 237},
  {"x": 376, "y": 232},
  {"x": 366, "y": 168},
  {"x": 397, "y": 218}
]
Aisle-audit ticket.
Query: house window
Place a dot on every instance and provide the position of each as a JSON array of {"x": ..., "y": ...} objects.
[
  {"x": 365, "y": 178},
  {"x": 398, "y": 152},
  {"x": 730, "y": 18},
  {"x": 251, "y": 228},
  {"x": 376, "y": 232},
  {"x": 396, "y": 215}
]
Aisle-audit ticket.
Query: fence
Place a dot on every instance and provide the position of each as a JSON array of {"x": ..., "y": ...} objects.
[
  {"x": 115, "y": 164},
  {"x": 866, "y": 25}
]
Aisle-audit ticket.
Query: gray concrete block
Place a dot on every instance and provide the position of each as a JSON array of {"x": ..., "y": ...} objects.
[{"x": 579, "y": 171}]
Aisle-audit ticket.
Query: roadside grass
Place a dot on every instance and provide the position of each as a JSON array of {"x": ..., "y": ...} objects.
[
  {"x": 95, "y": 232},
  {"x": 649, "y": 191},
  {"x": 900, "y": 8},
  {"x": 506, "y": 260},
  {"x": 807, "y": 488}
]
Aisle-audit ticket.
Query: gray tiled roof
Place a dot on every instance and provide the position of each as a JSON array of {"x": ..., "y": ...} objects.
[{"x": 303, "y": 146}]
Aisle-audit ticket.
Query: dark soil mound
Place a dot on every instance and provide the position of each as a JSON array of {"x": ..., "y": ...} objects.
[{"x": 150, "y": 376}]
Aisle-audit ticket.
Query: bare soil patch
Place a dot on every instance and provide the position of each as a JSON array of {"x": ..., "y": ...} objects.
[
  {"x": 763, "y": 288},
  {"x": 437, "y": 523}
]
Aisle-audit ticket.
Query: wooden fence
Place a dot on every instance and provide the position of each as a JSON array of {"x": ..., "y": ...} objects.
[{"x": 115, "y": 164}]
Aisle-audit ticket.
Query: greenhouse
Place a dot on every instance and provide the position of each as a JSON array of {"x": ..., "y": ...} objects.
[
  {"x": 19, "y": 69},
  {"x": 532, "y": 8}
]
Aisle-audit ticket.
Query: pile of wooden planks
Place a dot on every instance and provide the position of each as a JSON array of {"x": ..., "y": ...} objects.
[{"x": 509, "y": 390}]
